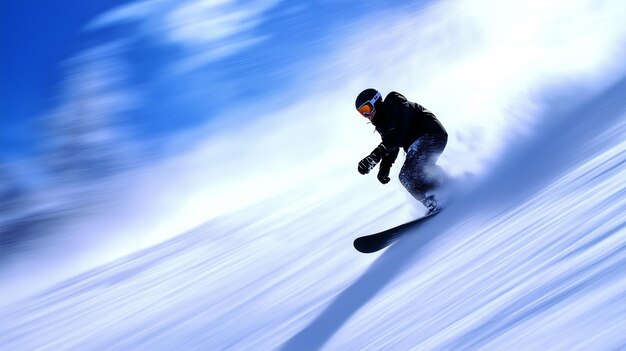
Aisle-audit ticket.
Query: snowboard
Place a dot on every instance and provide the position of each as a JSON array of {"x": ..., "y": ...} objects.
[{"x": 376, "y": 242}]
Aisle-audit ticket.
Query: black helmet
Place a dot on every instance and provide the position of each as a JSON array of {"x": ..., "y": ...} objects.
[{"x": 366, "y": 102}]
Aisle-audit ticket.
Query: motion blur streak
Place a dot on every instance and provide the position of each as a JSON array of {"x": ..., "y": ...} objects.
[{"x": 205, "y": 163}]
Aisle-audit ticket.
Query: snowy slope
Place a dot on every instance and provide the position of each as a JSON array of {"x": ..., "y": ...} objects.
[
  {"x": 532, "y": 256},
  {"x": 243, "y": 240}
]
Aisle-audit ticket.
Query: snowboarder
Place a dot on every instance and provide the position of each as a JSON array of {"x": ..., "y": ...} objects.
[{"x": 408, "y": 125}]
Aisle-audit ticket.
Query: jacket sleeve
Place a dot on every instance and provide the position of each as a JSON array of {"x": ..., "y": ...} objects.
[
  {"x": 384, "y": 154},
  {"x": 389, "y": 158}
]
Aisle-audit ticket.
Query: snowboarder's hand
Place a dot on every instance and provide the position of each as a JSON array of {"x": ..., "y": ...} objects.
[
  {"x": 383, "y": 174},
  {"x": 367, "y": 164}
]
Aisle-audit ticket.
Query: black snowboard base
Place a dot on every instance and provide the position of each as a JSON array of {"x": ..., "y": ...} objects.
[{"x": 375, "y": 242}]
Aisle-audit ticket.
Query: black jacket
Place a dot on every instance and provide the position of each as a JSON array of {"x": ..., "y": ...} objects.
[{"x": 400, "y": 122}]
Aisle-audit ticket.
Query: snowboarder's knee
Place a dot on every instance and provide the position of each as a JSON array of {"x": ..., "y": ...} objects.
[{"x": 406, "y": 179}]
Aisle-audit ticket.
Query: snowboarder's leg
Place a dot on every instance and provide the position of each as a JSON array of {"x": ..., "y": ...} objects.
[{"x": 420, "y": 174}]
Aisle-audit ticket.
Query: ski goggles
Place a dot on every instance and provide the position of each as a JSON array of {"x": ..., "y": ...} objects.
[{"x": 367, "y": 108}]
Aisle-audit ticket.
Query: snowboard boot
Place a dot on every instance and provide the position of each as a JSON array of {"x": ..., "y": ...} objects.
[{"x": 431, "y": 204}]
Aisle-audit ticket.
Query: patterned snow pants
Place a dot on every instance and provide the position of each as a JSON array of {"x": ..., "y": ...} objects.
[{"x": 420, "y": 173}]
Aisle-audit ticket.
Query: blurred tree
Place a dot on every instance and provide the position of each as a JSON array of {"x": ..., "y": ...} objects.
[{"x": 84, "y": 136}]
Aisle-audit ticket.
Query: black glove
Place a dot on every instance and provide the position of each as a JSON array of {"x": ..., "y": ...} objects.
[
  {"x": 383, "y": 173},
  {"x": 369, "y": 162}
]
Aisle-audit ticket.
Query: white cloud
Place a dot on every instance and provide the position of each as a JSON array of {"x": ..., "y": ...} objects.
[
  {"x": 208, "y": 30},
  {"x": 126, "y": 13},
  {"x": 222, "y": 51},
  {"x": 205, "y": 22}
]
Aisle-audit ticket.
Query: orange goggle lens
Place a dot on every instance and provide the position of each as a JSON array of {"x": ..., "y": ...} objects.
[
  {"x": 366, "y": 109},
  {"x": 368, "y": 106}
]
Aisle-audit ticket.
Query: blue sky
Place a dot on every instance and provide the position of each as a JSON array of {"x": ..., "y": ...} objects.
[
  {"x": 40, "y": 37},
  {"x": 34, "y": 37}
]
